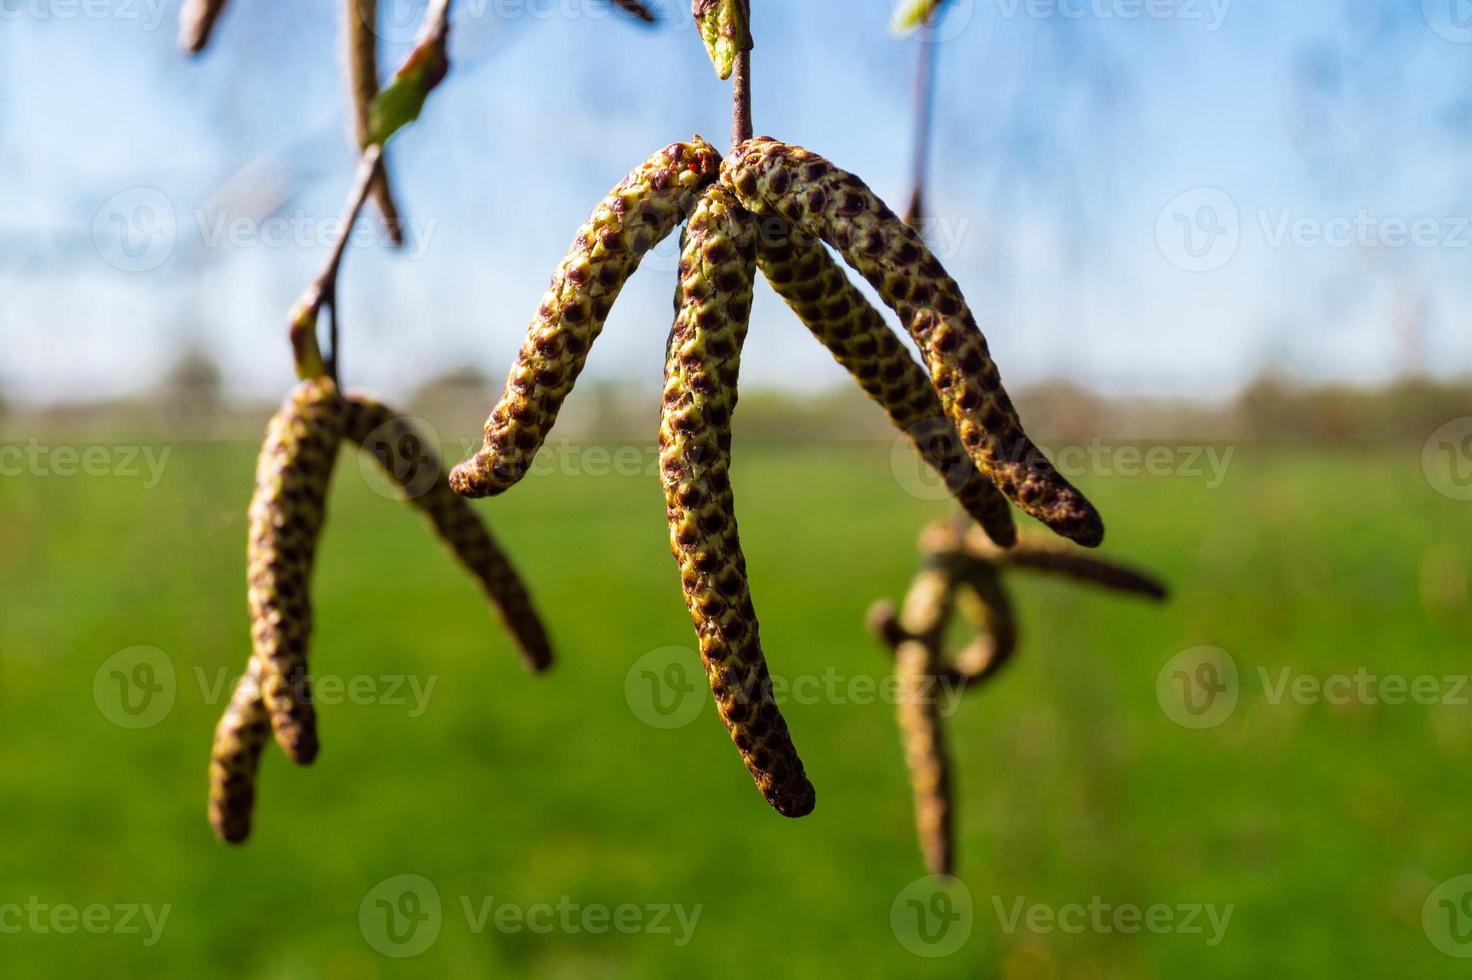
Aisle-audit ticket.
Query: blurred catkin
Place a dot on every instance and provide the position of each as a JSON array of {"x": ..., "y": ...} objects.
[
  {"x": 1058, "y": 558},
  {"x": 415, "y": 468},
  {"x": 922, "y": 620},
  {"x": 800, "y": 269},
  {"x": 982, "y": 600},
  {"x": 240, "y": 737},
  {"x": 197, "y": 22},
  {"x": 713, "y": 309},
  {"x": 361, "y": 39},
  {"x": 286, "y": 516},
  {"x": 773, "y": 178},
  {"x": 638, "y": 214}
]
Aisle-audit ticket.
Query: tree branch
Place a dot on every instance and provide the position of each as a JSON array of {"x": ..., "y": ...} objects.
[
  {"x": 322, "y": 293},
  {"x": 392, "y": 109},
  {"x": 741, "y": 128},
  {"x": 924, "y": 113}
]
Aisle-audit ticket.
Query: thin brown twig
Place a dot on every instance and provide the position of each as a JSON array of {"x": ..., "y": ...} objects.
[
  {"x": 741, "y": 127},
  {"x": 436, "y": 22},
  {"x": 322, "y": 293},
  {"x": 924, "y": 114}
]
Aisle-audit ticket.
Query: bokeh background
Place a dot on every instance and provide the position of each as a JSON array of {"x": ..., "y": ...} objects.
[{"x": 1221, "y": 252}]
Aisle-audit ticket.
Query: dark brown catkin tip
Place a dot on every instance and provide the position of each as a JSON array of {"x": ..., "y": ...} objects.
[
  {"x": 197, "y": 23},
  {"x": 637, "y": 215},
  {"x": 411, "y": 464},
  {"x": 833, "y": 309},
  {"x": 773, "y": 178},
  {"x": 713, "y": 308},
  {"x": 240, "y": 738},
  {"x": 286, "y": 516}
]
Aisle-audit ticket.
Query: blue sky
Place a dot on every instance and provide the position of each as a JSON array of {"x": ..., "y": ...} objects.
[{"x": 1162, "y": 196}]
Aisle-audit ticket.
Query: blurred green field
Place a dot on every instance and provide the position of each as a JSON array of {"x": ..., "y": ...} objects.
[{"x": 1325, "y": 828}]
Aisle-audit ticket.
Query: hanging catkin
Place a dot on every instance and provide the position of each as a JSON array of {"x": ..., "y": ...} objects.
[
  {"x": 838, "y": 314},
  {"x": 383, "y": 433},
  {"x": 770, "y": 177},
  {"x": 286, "y": 515},
  {"x": 713, "y": 307},
  {"x": 240, "y": 738},
  {"x": 927, "y": 607},
  {"x": 638, "y": 214}
]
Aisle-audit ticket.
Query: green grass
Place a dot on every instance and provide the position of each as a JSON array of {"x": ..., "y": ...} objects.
[{"x": 1325, "y": 827}]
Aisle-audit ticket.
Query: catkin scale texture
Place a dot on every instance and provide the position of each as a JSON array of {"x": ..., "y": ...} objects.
[
  {"x": 383, "y": 434},
  {"x": 770, "y": 177},
  {"x": 240, "y": 738},
  {"x": 286, "y": 516},
  {"x": 713, "y": 307},
  {"x": 639, "y": 213},
  {"x": 817, "y": 289}
]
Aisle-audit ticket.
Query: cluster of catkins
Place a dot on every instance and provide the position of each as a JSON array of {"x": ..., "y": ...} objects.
[
  {"x": 286, "y": 518},
  {"x": 963, "y": 573},
  {"x": 771, "y": 206},
  {"x": 302, "y": 441}
]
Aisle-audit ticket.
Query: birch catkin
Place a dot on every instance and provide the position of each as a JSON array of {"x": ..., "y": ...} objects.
[
  {"x": 286, "y": 515},
  {"x": 197, "y": 22},
  {"x": 240, "y": 738},
  {"x": 983, "y": 600},
  {"x": 917, "y": 666},
  {"x": 1059, "y": 559},
  {"x": 837, "y": 313},
  {"x": 770, "y": 177},
  {"x": 638, "y": 214},
  {"x": 383, "y": 433},
  {"x": 361, "y": 38},
  {"x": 713, "y": 307}
]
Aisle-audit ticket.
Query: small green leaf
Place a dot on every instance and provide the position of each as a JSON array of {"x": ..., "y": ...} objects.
[
  {"x": 725, "y": 31},
  {"x": 403, "y": 98},
  {"x": 911, "y": 15}
]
